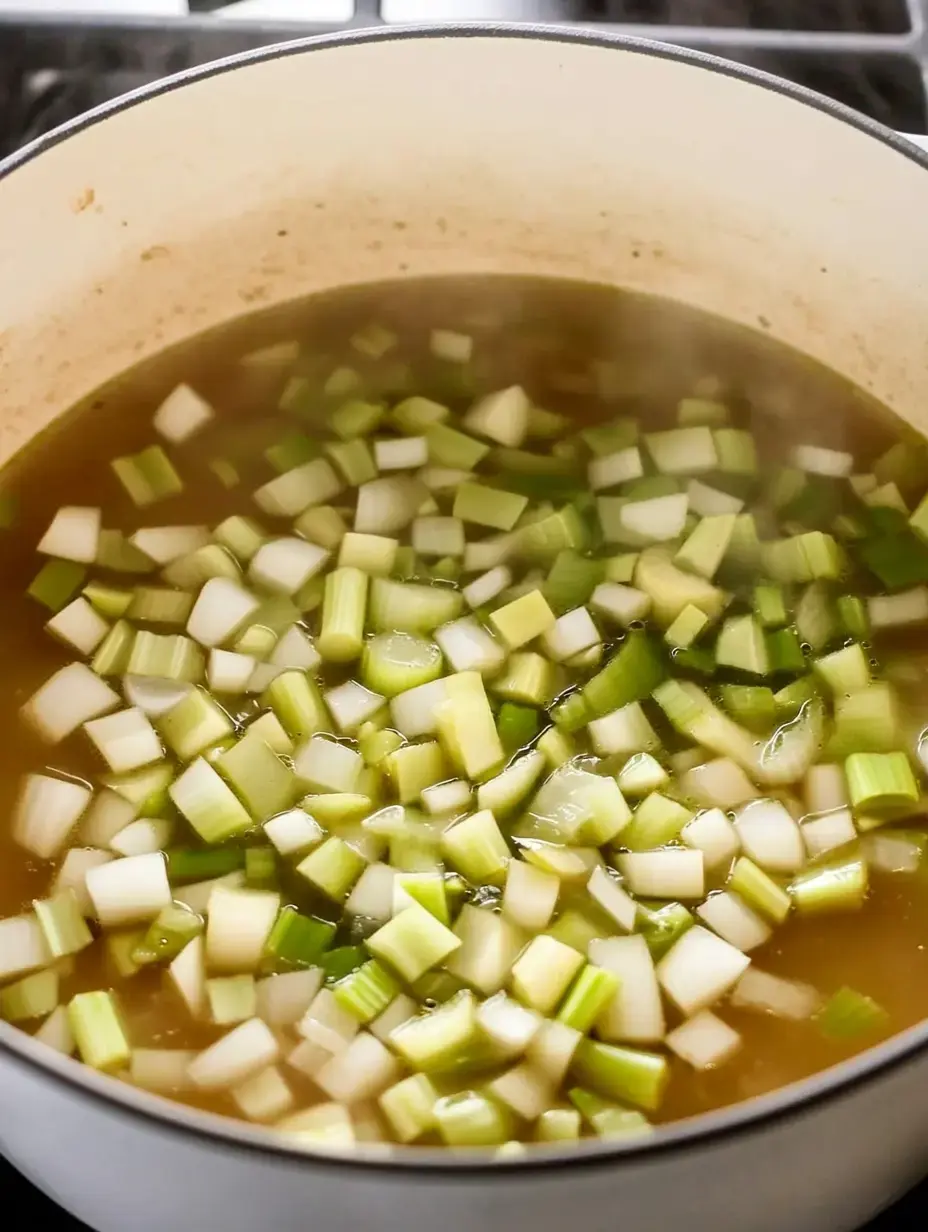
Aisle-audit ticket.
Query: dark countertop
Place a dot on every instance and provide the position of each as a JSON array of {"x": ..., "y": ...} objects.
[{"x": 35, "y": 1210}]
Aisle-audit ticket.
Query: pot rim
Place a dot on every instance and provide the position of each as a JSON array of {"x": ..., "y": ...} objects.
[{"x": 747, "y": 1117}]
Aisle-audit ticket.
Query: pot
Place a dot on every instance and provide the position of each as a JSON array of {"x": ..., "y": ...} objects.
[{"x": 526, "y": 150}]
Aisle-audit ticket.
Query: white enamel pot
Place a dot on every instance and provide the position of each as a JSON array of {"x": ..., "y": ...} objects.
[{"x": 529, "y": 150}]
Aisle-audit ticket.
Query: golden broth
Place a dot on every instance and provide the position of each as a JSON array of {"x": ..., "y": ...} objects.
[{"x": 543, "y": 335}]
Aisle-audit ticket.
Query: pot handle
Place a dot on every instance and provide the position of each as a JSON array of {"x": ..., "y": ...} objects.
[{"x": 918, "y": 139}]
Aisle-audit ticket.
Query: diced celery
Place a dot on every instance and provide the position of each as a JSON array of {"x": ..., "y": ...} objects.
[
  {"x": 850, "y": 1014},
  {"x": 98, "y": 1032}
]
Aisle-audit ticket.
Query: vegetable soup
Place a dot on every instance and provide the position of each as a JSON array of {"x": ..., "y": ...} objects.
[{"x": 471, "y": 712}]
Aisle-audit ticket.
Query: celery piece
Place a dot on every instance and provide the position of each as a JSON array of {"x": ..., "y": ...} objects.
[
  {"x": 394, "y": 662},
  {"x": 752, "y": 705},
  {"x": 803, "y": 558},
  {"x": 663, "y": 926},
  {"x": 261, "y": 868},
  {"x": 114, "y": 653},
  {"x": 376, "y": 745},
  {"x": 109, "y": 601},
  {"x": 56, "y": 583},
  {"x": 607, "y": 1119},
  {"x": 759, "y": 890},
  {"x": 657, "y": 821},
  {"x": 187, "y": 864},
  {"x": 844, "y": 671},
  {"x": 476, "y": 503},
  {"x": 687, "y": 627},
  {"x": 543, "y": 972},
  {"x": 269, "y": 728},
  {"x": 466, "y": 726},
  {"x": 290, "y": 451},
  {"x": 475, "y": 846},
  {"x": 323, "y": 525},
  {"x": 147, "y": 476},
  {"x": 556, "y": 746},
  {"x": 880, "y": 781},
  {"x": 354, "y": 460},
  {"x": 628, "y": 1074},
  {"x": 517, "y": 726},
  {"x": 411, "y": 608},
  {"x": 448, "y": 447},
  {"x": 589, "y": 994},
  {"x": 631, "y": 675},
  {"x": 620, "y": 568},
  {"x": 116, "y": 552},
  {"x": 146, "y": 789},
  {"x": 34, "y": 996},
  {"x": 741, "y": 645},
  {"x": 263, "y": 782},
  {"x": 427, "y": 889},
  {"x": 193, "y": 725},
  {"x": 413, "y": 767},
  {"x": 506, "y": 791},
  {"x": 852, "y": 617},
  {"x": 770, "y": 605},
  {"x": 340, "y": 962},
  {"x": 541, "y": 540},
  {"x": 571, "y": 713},
  {"x": 791, "y": 699},
  {"x": 849, "y": 1014},
  {"x": 868, "y": 721},
  {"x": 297, "y": 941},
  {"x": 367, "y": 991},
  {"x": 413, "y": 942},
  {"x": 241, "y": 536},
  {"x": 641, "y": 775},
  {"x": 208, "y": 804},
  {"x": 558, "y": 1125},
  {"x": 737, "y": 453},
  {"x": 160, "y": 605},
  {"x": 63, "y": 925},
  {"x": 603, "y": 439},
  {"x": 840, "y": 886},
  {"x": 232, "y": 999},
  {"x": 705, "y": 548},
  {"x": 341, "y": 636},
  {"x": 168, "y": 656},
  {"x": 528, "y": 678},
  {"x": 296, "y": 701},
  {"x": 784, "y": 651},
  {"x": 577, "y": 930},
  {"x": 671, "y": 589},
  {"x": 226, "y": 472},
  {"x": 414, "y": 415},
  {"x": 375, "y": 555},
  {"x": 571, "y": 580},
  {"x": 409, "y": 1106},
  {"x": 523, "y": 619},
  {"x": 333, "y": 868},
  {"x": 194, "y": 570},
  {"x": 470, "y": 1119},
  {"x": 98, "y": 1032},
  {"x": 167, "y": 935}
]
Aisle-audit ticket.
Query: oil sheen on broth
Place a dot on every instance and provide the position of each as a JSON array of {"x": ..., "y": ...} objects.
[{"x": 712, "y": 653}]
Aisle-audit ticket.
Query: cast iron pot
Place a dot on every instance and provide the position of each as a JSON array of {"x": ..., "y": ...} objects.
[{"x": 525, "y": 150}]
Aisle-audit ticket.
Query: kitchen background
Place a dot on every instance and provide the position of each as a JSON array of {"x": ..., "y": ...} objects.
[{"x": 60, "y": 57}]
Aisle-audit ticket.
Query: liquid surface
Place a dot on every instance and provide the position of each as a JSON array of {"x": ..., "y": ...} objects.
[{"x": 552, "y": 339}]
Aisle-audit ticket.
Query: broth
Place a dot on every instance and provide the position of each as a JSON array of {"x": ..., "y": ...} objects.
[{"x": 590, "y": 353}]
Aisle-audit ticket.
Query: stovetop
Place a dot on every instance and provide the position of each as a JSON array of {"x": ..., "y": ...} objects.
[{"x": 60, "y": 57}]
